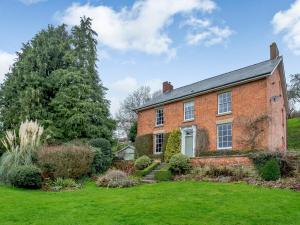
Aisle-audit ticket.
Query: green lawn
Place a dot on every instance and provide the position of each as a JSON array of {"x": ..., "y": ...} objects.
[
  {"x": 294, "y": 134},
  {"x": 162, "y": 203}
]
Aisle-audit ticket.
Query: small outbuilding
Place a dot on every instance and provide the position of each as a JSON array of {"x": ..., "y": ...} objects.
[{"x": 126, "y": 153}]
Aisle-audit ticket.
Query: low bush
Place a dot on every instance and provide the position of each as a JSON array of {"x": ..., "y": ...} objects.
[
  {"x": 147, "y": 170},
  {"x": 173, "y": 145},
  {"x": 60, "y": 184},
  {"x": 142, "y": 162},
  {"x": 28, "y": 176},
  {"x": 270, "y": 171},
  {"x": 164, "y": 174},
  {"x": 65, "y": 161},
  {"x": 106, "y": 155},
  {"x": 180, "y": 164},
  {"x": 115, "y": 179}
]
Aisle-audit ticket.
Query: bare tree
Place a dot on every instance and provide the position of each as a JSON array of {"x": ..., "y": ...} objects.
[
  {"x": 294, "y": 94},
  {"x": 126, "y": 116}
]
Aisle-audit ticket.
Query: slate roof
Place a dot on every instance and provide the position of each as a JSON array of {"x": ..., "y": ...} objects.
[{"x": 258, "y": 70}]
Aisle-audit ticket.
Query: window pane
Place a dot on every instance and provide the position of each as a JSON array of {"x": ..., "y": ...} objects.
[
  {"x": 159, "y": 116},
  {"x": 224, "y": 132},
  {"x": 224, "y": 102},
  {"x": 188, "y": 110}
]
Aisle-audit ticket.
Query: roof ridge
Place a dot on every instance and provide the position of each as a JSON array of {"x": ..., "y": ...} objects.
[{"x": 225, "y": 73}]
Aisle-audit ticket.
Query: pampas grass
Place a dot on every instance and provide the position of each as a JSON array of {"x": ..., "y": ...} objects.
[{"x": 20, "y": 151}]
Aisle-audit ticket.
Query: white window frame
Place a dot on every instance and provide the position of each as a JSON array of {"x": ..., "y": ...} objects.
[
  {"x": 184, "y": 107},
  {"x": 228, "y": 103},
  {"x": 156, "y": 117},
  {"x": 155, "y": 143},
  {"x": 218, "y": 143}
]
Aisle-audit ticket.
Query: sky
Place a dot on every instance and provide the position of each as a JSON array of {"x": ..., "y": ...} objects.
[{"x": 146, "y": 42}]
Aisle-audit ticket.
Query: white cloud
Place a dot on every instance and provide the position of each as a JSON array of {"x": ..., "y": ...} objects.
[
  {"x": 6, "y": 60},
  {"x": 118, "y": 90},
  {"x": 288, "y": 23},
  {"x": 141, "y": 27},
  {"x": 203, "y": 31},
  {"x": 31, "y": 2}
]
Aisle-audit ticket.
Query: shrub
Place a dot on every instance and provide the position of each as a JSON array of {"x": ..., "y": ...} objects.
[
  {"x": 147, "y": 170},
  {"x": 65, "y": 161},
  {"x": 142, "y": 162},
  {"x": 63, "y": 184},
  {"x": 105, "y": 147},
  {"x": 164, "y": 174},
  {"x": 99, "y": 162},
  {"x": 180, "y": 164},
  {"x": 285, "y": 164},
  {"x": 173, "y": 145},
  {"x": 126, "y": 166},
  {"x": 270, "y": 171},
  {"x": 26, "y": 177},
  {"x": 114, "y": 179}
]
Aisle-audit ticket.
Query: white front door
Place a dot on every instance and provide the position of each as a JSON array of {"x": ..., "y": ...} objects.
[{"x": 188, "y": 136}]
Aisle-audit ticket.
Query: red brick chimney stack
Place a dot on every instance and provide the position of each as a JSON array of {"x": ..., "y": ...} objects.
[
  {"x": 274, "y": 52},
  {"x": 167, "y": 87}
]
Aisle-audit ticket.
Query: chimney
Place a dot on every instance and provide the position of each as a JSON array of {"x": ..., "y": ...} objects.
[
  {"x": 274, "y": 52},
  {"x": 167, "y": 87}
]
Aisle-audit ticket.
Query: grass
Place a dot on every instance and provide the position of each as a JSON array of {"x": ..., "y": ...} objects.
[
  {"x": 294, "y": 134},
  {"x": 162, "y": 203}
]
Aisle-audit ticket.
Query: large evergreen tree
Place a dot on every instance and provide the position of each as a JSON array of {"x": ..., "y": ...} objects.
[{"x": 55, "y": 81}]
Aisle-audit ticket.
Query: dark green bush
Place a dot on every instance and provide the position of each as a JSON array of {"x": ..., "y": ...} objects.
[
  {"x": 180, "y": 164},
  {"x": 164, "y": 174},
  {"x": 271, "y": 170},
  {"x": 28, "y": 176},
  {"x": 285, "y": 164},
  {"x": 147, "y": 170},
  {"x": 142, "y": 162},
  {"x": 98, "y": 164},
  {"x": 106, "y": 150}
]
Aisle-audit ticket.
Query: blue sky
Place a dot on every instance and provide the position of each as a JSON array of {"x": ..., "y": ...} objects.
[{"x": 148, "y": 42}]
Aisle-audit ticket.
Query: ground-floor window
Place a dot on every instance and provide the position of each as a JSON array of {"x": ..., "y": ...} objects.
[
  {"x": 224, "y": 132},
  {"x": 158, "y": 143}
]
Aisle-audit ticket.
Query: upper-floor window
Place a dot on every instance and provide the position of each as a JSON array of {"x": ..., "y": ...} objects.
[
  {"x": 159, "y": 117},
  {"x": 158, "y": 144},
  {"x": 224, "y": 102},
  {"x": 224, "y": 133},
  {"x": 189, "y": 110}
]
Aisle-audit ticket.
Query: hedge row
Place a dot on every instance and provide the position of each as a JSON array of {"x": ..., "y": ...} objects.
[
  {"x": 164, "y": 174},
  {"x": 147, "y": 170}
]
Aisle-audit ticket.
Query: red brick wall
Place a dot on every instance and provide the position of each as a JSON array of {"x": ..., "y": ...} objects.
[
  {"x": 247, "y": 100},
  {"x": 222, "y": 161},
  {"x": 277, "y": 113}
]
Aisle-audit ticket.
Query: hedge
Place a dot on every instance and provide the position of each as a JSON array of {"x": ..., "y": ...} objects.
[
  {"x": 164, "y": 174},
  {"x": 228, "y": 152},
  {"x": 147, "y": 170}
]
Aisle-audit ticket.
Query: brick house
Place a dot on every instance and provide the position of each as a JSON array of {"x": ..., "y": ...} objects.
[{"x": 217, "y": 104}]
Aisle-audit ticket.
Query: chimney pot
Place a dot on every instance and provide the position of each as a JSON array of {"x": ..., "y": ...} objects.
[
  {"x": 167, "y": 87},
  {"x": 274, "y": 52}
]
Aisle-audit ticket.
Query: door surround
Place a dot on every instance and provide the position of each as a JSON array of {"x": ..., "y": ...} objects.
[{"x": 183, "y": 131}]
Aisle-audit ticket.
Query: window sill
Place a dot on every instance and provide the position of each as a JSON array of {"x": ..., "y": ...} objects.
[
  {"x": 157, "y": 153},
  {"x": 158, "y": 126},
  {"x": 185, "y": 121},
  {"x": 230, "y": 148},
  {"x": 223, "y": 114}
]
